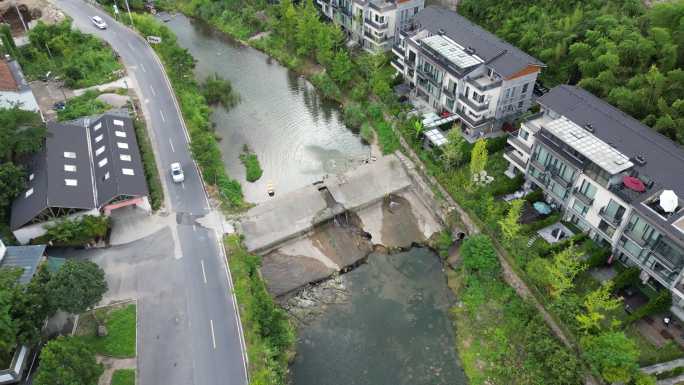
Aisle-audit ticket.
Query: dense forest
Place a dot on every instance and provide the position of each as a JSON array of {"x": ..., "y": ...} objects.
[{"x": 631, "y": 55}]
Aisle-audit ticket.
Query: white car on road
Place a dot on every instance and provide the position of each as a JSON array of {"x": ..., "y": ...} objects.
[
  {"x": 99, "y": 23},
  {"x": 177, "y": 172}
]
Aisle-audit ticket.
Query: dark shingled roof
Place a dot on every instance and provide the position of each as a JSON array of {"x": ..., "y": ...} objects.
[
  {"x": 92, "y": 189},
  {"x": 24, "y": 257},
  {"x": 503, "y": 57},
  {"x": 664, "y": 159}
]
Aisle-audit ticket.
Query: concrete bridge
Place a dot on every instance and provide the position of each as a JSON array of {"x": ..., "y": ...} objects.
[{"x": 295, "y": 214}]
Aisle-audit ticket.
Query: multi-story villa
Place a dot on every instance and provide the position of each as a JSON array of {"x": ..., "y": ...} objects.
[
  {"x": 613, "y": 177},
  {"x": 460, "y": 69},
  {"x": 372, "y": 24}
]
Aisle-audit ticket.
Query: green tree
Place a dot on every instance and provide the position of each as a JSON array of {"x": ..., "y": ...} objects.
[
  {"x": 596, "y": 305},
  {"x": 7, "y": 40},
  {"x": 479, "y": 256},
  {"x": 67, "y": 361},
  {"x": 32, "y": 306},
  {"x": 8, "y": 326},
  {"x": 21, "y": 133},
  {"x": 12, "y": 183},
  {"x": 341, "y": 69},
  {"x": 479, "y": 157},
  {"x": 454, "y": 151},
  {"x": 612, "y": 354},
  {"x": 307, "y": 27},
  {"x": 558, "y": 274},
  {"x": 509, "y": 226},
  {"x": 78, "y": 286}
]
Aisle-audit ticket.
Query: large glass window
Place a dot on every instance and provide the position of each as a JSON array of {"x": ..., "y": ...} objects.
[
  {"x": 580, "y": 208},
  {"x": 641, "y": 231},
  {"x": 614, "y": 210},
  {"x": 587, "y": 189}
]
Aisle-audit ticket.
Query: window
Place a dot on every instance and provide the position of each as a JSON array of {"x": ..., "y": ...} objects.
[
  {"x": 118, "y": 122},
  {"x": 476, "y": 96},
  {"x": 587, "y": 189},
  {"x": 507, "y": 93},
  {"x": 490, "y": 72},
  {"x": 120, "y": 134},
  {"x": 524, "y": 134},
  {"x": 28, "y": 193},
  {"x": 520, "y": 104},
  {"x": 69, "y": 155},
  {"x": 125, "y": 157},
  {"x": 580, "y": 208},
  {"x": 106, "y": 176},
  {"x": 99, "y": 150},
  {"x": 99, "y": 138},
  {"x": 122, "y": 145},
  {"x": 127, "y": 171},
  {"x": 102, "y": 163},
  {"x": 31, "y": 177},
  {"x": 71, "y": 182},
  {"x": 467, "y": 91},
  {"x": 69, "y": 168},
  {"x": 525, "y": 87},
  {"x": 97, "y": 126}
]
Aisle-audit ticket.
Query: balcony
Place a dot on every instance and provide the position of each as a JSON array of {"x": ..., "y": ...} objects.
[
  {"x": 433, "y": 78},
  {"x": 397, "y": 64},
  {"x": 375, "y": 38},
  {"x": 518, "y": 143},
  {"x": 512, "y": 157},
  {"x": 472, "y": 122},
  {"x": 397, "y": 50},
  {"x": 484, "y": 83},
  {"x": 476, "y": 106},
  {"x": 555, "y": 175},
  {"x": 583, "y": 198},
  {"x": 374, "y": 24},
  {"x": 450, "y": 93},
  {"x": 610, "y": 219},
  {"x": 636, "y": 237}
]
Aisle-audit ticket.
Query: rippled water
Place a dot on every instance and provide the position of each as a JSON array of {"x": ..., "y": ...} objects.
[
  {"x": 297, "y": 136},
  {"x": 394, "y": 331}
]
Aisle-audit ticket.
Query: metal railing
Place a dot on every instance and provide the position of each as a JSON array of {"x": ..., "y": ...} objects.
[
  {"x": 583, "y": 198},
  {"x": 375, "y": 24},
  {"x": 476, "y": 106}
]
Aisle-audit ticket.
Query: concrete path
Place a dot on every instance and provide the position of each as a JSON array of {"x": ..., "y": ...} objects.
[
  {"x": 672, "y": 381},
  {"x": 124, "y": 82},
  {"x": 663, "y": 366},
  {"x": 111, "y": 365}
]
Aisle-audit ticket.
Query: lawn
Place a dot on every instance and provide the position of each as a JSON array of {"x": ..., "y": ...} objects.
[
  {"x": 123, "y": 377},
  {"x": 121, "y": 329}
]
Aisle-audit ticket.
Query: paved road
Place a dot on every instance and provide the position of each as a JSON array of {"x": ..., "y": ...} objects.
[{"x": 188, "y": 331}]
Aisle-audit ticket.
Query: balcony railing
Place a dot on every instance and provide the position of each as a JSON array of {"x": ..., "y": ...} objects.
[
  {"x": 429, "y": 76},
  {"x": 484, "y": 88},
  {"x": 448, "y": 92},
  {"x": 476, "y": 106},
  {"x": 516, "y": 142},
  {"x": 375, "y": 24},
  {"x": 512, "y": 156},
  {"x": 583, "y": 198},
  {"x": 556, "y": 176},
  {"x": 473, "y": 123},
  {"x": 610, "y": 219},
  {"x": 398, "y": 51},
  {"x": 374, "y": 38},
  {"x": 637, "y": 238}
]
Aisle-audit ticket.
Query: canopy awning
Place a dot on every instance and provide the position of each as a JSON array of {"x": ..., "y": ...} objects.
[{"x": 634, "y": 184}]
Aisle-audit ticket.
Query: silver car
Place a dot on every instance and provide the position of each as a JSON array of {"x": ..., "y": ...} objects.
[
  {"x": 177, "y": 172},
  {"x": 99, "y": 23}
]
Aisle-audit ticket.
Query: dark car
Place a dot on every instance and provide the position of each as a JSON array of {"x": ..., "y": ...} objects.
[{"x": 59, "y": 106}]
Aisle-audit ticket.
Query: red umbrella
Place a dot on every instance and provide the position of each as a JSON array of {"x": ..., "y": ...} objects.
[{"x": 633, "y": 183}]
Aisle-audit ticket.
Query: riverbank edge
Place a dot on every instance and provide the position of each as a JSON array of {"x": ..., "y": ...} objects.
[{"x": 453, "y": 215}]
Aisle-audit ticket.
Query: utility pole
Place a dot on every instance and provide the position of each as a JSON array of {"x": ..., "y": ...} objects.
[
  {"x": 20, "y": 17},
  {"x": 129, "y": 12}
]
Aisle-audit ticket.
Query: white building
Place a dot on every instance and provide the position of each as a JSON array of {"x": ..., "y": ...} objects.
[
  {"x": 372, "y": 24},
  {"x": 613, "y": 177},
  {"x": 459, "y": 69}
]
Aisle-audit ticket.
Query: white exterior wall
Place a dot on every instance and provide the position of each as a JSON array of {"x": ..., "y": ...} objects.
[
  {"x": 515, "y": 85},
  {"x": 601, "y": 199}
]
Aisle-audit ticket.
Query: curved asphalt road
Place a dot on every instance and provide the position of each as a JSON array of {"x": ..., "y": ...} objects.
[{"x": 188, "y": 330}]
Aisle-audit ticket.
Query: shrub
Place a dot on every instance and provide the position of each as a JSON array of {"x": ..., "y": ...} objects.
[
  {"x": 353, "y": 115},
  {"x": 612, "y": 354},
  {"x": 535, "y": 196},
  {"x": 443, "y": 243},
  {"x": 150, "y": 165},
  {"x": 83, "y": 105},
  {"x": 387, "y": 139},
  {"x": 267, "y": 329},
  {"x": 80, "y": 59},
  {"x": 540, "y": 224},
  {"x": 252, "y": 167},
  {"x": 217, "y": 90},
  {"x": 367, "y": 133},
  {"x": 627, "y": 277},
  {"x": 659, "y": 304},
  {"x": 75, "y": 232},
  {"x": 327, "y": 86},
  {"x": 597, "y": 256},
  {"x": 479, "y": 256}
]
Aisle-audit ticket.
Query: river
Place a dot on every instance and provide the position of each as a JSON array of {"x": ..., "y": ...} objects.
[
  {"x": 298, "y": 136},
  {"x": 395, "y": 328}
]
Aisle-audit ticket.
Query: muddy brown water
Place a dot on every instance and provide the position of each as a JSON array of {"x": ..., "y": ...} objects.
[{"x": 395, "y": 327}]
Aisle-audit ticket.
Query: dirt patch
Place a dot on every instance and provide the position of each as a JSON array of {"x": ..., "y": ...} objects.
[
  {"x": 284, "y": 273},
  {"x": 342, "y": 240}
]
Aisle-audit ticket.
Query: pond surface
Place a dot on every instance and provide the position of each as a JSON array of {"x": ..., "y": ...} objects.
[
  {"x": 394, "y": 331},
  {"x": 298, "y": 136}
]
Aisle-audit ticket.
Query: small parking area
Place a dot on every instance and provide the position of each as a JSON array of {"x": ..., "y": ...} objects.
[{"x": 47, "y": 94}]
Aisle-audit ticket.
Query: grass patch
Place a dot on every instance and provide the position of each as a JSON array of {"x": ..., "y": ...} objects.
[
  {"x": 252, "y": 167},
  {"x": 83, "y": 105},
  {"x": 217, "y": 90},
  {"x": 80, "y": 59},
  {"x": 123, "y": 377},
  {"x": 121, "y": 329},
  {"x": 149, "y": 164},
  {"x": 268, "y": 333}
]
